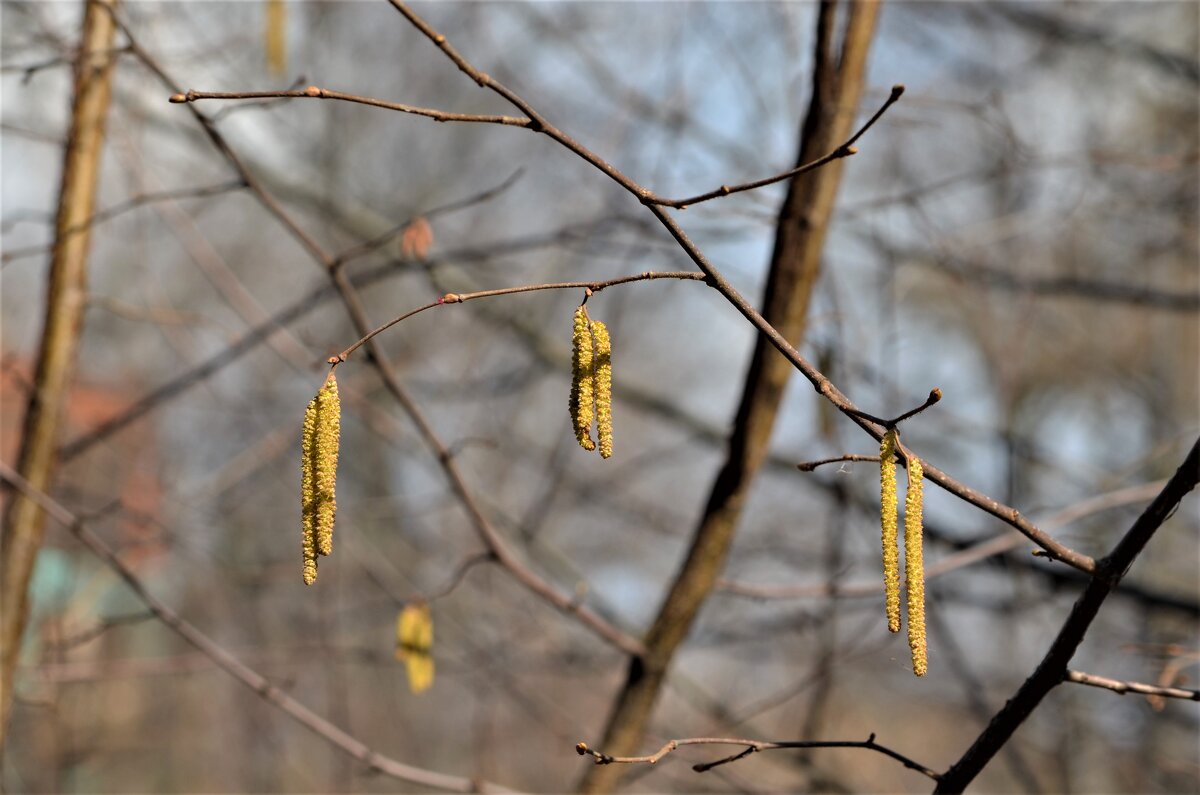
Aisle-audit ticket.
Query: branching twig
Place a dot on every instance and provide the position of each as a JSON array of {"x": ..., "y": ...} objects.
[
  {"x": 379, "y": 359},
  {"x": 716, "y": 279},
  {"x": 935, "y": 395},
  {"x": 231, "y": 664},
  {"x": 1052, "y": 669},
  {"x": 751, "y": 746},
  {"x": 1118, "y": 686},
  {"x": 845, "y": 150}
]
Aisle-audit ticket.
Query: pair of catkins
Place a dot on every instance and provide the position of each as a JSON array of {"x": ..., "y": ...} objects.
[{"x": 914, "y": 567}]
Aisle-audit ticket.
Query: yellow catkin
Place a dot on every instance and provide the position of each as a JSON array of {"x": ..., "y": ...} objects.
[
  {"x": 583, "y": 380},
  {"x": 318, "y": 474},
  {"x": 276, "y": 37},
  {"x": 414, "y": 645},
  {"x": 603, "y": 353},
  {"x": 888, "y": 522},
  {"x": 914, "y": 565}
]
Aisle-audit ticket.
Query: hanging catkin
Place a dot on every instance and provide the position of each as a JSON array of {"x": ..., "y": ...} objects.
[
  {"x": 603, "y": 388},
  {"x": 583, "y": 380},
  {"x": 914, "y": 565},
  {"x": 318, "y": 474},
  {"x": 888, "y": 519},
  {"x": 591, "y": 383},
  {"x": 414, "y": 644}
]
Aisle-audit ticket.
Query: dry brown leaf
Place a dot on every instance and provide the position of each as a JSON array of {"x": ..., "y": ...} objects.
[{"x": 417, "y": 239}]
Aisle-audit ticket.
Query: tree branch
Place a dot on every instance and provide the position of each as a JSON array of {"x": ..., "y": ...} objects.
[
  {"x": 1053, "y": 667},
  {"x": 751, "y": 746},
  {"x": 387, "y": 373},
  {"x": 1118, "y": 686},
  {"x": 314, "y": 92},
  {"x": 458, "y": 298},
  {"x": 845, "y": 150},
  {"x": 231, "y": 664}
]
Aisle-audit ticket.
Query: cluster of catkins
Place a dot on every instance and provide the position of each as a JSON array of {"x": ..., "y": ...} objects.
[
  {"x": 914, "y": 566},
  {"x": 591, "y": 383}
]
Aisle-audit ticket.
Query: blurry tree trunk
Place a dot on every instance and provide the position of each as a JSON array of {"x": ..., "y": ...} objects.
[
  {"x": 66, "y": 299},
  {"x": 795, "y": 266}
]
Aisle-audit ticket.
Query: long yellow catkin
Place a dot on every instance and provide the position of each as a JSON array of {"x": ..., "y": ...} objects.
[
  {"x": 603, "y": 352},
  {"x": 583, "y": 380},
  {"x": 318, "y": 474},
  {"x": 888, "y": 520},
  {"x": 914, "y": 565},
  {"x": 414, "y": 645}
]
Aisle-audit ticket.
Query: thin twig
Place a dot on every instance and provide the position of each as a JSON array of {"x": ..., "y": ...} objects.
[
  {"x": 132, "y": 203},
  {"x": 845, "y": 150},
  {"x": 458, "y": 298},
  {"x": 315, "y": 92},
  {"x": 231, "y": 664},
  {"x": 103, "y": 626},
  {"x": 458, "y": 575},
  {"x": 809, "y": 466},
  {"x": 751, "y": 746},
  {"x": 1118, "y": 686},
  {"x": 935, "y": 395}
]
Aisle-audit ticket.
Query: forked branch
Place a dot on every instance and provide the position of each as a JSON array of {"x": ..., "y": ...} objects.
[
  {"x": 231, "y": 664},
  {"x": 750, "y": 747}
]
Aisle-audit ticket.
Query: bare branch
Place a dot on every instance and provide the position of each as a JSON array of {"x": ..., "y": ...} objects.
[
  {"x": 751, "y": 746},
  {"x": 845, "y": 150},
  {"x": 314, "y": 92},
  {"x": 458, "y": 298},
  {"x": 809, "y": 466},
  {"x": 1052, "y": 670},
  {"x": 935, "y": 395},
  {"x": 717, "y": 280},
  {"x": 382, "y": 364},
  {"x": 232, "y": 665},
  {"x": 1118, "y": 686}
]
